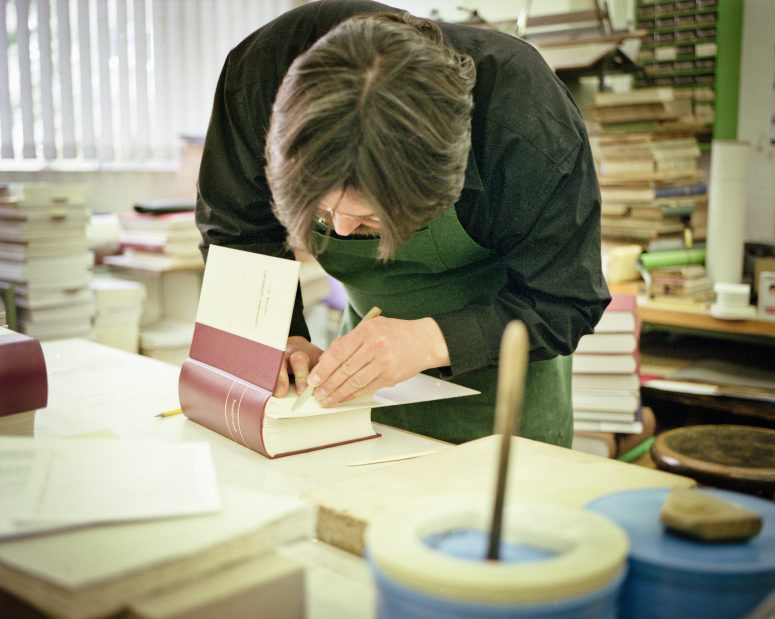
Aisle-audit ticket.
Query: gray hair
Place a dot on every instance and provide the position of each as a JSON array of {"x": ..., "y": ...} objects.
[{"x": 380, "y": 105}]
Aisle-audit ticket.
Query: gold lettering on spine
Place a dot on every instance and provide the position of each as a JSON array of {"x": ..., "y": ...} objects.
[
  {"x": 231, "y": 413},
  {"x": 238, "y": 417},
  {"x": 226, "y": 410}
]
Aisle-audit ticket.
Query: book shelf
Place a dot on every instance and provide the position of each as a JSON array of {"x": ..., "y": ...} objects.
[{"x": 694, "y": 46}]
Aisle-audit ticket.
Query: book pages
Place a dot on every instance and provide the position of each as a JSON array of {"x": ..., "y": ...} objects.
[{"x": 258, "y": 307}]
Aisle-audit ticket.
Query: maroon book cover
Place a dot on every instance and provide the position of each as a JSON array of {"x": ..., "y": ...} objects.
[
  {"x": 246, "y": 359},
  {"x": 223, "y": 403},
  {"x": 23, "y": 378}
]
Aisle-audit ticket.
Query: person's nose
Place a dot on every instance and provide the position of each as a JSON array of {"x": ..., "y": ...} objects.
[{"x": 344, "y": 226}]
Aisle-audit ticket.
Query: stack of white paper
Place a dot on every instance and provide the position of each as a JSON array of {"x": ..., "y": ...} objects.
[{"x": 49, "y": 484}]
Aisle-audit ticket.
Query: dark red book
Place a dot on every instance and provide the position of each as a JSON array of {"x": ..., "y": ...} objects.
[
  {"x": 23, "y": 381},
  {"x": 249, "y": 415}
]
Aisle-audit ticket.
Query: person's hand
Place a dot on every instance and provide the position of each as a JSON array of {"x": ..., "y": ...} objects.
[
  {"x": 378, "y": 353},
  {"x": 300, "y": 356}
]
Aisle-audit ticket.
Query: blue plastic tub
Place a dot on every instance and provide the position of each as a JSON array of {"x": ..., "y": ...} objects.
[{"x": 671, "y": 576}]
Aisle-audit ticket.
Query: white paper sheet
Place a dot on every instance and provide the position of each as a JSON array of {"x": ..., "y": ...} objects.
[
  {"x": 419, "y": 388},
  {"x": 48, "y": 484}
]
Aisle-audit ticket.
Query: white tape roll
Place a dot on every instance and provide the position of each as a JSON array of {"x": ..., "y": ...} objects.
[{"x": 589, "y": 551}]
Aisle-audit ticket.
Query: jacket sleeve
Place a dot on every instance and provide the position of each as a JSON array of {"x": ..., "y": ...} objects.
[{"x": 542, "y": 216}]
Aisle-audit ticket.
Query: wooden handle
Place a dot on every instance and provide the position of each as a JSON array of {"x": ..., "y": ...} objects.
[
  {"x": 512, "y": 369},
  {"x": 372, "y": 313}
]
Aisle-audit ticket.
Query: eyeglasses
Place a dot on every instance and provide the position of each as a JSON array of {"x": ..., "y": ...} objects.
[{"x": 326, "y": 215}]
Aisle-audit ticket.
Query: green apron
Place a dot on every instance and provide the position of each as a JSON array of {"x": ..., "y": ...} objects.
[{"x": 442, "y": 269}]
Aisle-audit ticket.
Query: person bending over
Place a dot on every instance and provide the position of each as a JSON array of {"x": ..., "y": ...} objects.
[{"x": 441, "y": 172}]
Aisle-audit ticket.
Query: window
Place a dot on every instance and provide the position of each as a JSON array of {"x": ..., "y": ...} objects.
[{"x": 112, "y": 83}]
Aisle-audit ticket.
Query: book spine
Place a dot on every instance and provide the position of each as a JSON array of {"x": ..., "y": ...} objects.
[
  {"x": 668, "y": 212},
  {"x": 607, "y": 343},
  {"x": 622, "y": 302},
  {"x": 146, "y": 246},
  {"x": 23, "y": 378},
  {"x": 223, "y": 403},
  {"x": 246, "y": 359},
  {"x": 605, "y": 401},
  {"x": 634, "y": 427},
  {"x": 671, "y": 191},
  {"x": 598, "y": 363}
]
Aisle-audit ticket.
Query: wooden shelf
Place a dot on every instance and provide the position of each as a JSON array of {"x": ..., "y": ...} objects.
[
  {"x": 703, "y": 321},
  {"x": 700, "y": 321}
]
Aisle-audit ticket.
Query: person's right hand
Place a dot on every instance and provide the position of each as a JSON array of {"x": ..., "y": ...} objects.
[
  {"x": 377, "y": 353},
  {"x": 300, "y": 356}
]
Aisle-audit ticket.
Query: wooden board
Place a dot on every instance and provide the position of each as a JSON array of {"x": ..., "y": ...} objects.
[{"x": 537, "y": 471}]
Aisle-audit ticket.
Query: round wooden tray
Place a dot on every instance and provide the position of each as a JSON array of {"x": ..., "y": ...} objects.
[{"x": 724, "y": 456}]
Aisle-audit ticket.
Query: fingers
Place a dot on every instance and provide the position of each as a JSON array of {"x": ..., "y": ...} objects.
[
  {"x": 349, "y": 368},
  {"x": 299, "y": 362},
  {"x": 346, "y": 383},
  {"x": 283, "y": 383},
  {"x": 300, "y": 354}
]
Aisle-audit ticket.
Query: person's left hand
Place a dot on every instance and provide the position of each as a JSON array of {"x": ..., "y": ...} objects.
[
  {"x": 300, "y": 356},
  {"x": 378, "y": 353}
]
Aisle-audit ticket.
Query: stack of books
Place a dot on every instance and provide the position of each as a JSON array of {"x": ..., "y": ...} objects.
[
  {"x": 45, "y": 257},
  {"x": 160, "y": 249},
  {"x": 677, "y": 277},
  {"x": 684, "y": 283},
  {"x": 606, "y": 372},
  {"x": 655, "y": 110},
  {"x": 118, "y": 310},
  {"x": 646, "y": 152},
  {"x": 158, "y": 242}
]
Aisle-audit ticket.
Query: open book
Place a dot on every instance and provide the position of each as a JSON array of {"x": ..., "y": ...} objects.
[{"x": 240, "y": 335}]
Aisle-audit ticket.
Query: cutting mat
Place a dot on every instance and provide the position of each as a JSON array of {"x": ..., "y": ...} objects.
[{"x": 537, "y": 471}]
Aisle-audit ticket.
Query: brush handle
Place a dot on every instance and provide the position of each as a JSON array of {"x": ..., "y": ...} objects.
[{"x": 512, "y": 369}]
